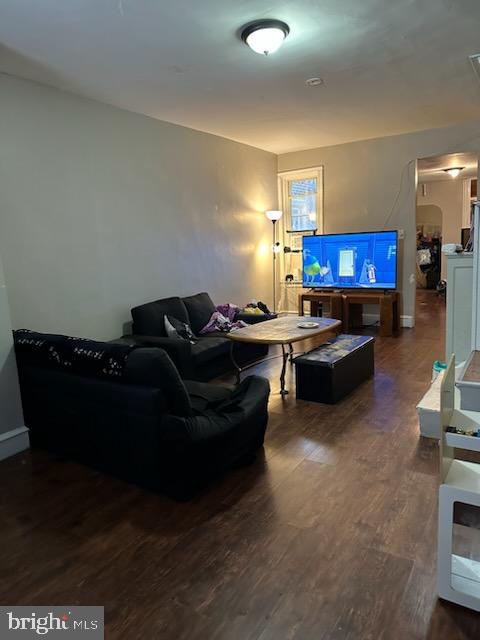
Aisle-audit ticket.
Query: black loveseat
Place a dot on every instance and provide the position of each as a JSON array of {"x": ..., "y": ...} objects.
[
  {"x": 125, "y": 410},
  {"x": 210, "y": 355}
]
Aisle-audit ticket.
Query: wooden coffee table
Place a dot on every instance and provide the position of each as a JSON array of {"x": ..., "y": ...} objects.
[{"x": 283, "y": 331}]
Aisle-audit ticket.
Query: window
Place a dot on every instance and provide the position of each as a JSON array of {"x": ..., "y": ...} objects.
[
  {"x": 303, "y": 204},
  {"x": 301, "y": 194}
]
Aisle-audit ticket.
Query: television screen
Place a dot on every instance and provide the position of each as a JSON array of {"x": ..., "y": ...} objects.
[{"x": 351, "y": 260}]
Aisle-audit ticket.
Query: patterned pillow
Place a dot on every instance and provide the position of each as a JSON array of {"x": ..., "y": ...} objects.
[{"x": 177, "y": 329}]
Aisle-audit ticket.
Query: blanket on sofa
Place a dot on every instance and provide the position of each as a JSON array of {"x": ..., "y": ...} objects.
[
  {"x": 223, "y": 319},
  {"x": 80, "y": 356}
]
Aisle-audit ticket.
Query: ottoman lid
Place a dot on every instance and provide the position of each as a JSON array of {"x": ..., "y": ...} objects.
[{"x": 334, "y": 350}]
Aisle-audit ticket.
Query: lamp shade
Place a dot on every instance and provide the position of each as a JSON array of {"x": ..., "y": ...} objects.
[{"x": 274, "y": 215}]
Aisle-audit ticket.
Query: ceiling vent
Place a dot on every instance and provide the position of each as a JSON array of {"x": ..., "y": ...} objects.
[
  {"x": 314, "y": 82},
  {"x": 475, "y": 60}
]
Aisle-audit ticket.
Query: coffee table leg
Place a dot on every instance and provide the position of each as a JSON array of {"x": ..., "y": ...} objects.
[
  {"x": 290, "y": 349},
  {"x": 238, "y": 370},
  {"x": 285, "y": 356}
]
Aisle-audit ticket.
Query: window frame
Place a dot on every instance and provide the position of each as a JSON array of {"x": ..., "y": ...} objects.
[{"x": 284, "y": 177}]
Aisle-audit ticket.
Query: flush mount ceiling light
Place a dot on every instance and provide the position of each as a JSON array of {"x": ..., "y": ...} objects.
[
  {"x": 454, "y": 171},
  {"x": 265, "y": 36}
]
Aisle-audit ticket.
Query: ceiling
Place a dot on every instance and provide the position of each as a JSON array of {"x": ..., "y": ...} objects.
[
  {"x": 389, "y": 66},
  {"x": 432, "y": 169}
]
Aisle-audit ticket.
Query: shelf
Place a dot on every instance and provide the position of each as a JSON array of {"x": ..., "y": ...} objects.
[
  {"x": 466, "y": 576},
  {"x": 458, "y": 441}
]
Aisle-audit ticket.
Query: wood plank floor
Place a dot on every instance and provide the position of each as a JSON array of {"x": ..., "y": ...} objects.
[{"x": 331, "y": 534}]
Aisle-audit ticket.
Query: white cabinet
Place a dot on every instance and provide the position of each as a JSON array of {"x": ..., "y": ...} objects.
[
  {"x": 476, "y": 281},
  {"x": 459, "y": 306}
]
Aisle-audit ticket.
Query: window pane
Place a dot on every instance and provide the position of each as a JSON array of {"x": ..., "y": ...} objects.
[
  {"x": 302, "y": 187},
  {"x": 303, "y": 212},
  {"x": 303, "y": 204}
]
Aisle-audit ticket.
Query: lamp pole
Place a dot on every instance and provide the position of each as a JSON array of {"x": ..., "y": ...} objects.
[
  {"x": 273, "y": 216},
  {"x": 273, "y": 266}
]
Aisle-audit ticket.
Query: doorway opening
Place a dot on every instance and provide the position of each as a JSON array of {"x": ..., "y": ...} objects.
[{"x": 447, "y": 185}]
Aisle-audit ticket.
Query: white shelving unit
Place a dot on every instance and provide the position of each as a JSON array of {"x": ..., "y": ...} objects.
[{"x": 458, "y": 576}]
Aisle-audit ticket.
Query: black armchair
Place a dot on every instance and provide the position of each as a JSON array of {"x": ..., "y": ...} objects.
[{"x": 125, "y": 410}]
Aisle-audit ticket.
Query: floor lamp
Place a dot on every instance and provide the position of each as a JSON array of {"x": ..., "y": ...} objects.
[{"x": 273, "y": 216}]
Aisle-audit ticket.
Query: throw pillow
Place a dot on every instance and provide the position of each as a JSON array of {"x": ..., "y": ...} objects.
[{"x": 177, "y": 329}]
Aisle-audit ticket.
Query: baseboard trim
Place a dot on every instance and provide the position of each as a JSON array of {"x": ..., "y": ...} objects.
[
  {"x": 13, "y": 442},
  {"x": 407, "y": 322}
]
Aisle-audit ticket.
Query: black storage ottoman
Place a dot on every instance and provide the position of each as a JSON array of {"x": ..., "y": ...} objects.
[{"x": 330, "y": 372}]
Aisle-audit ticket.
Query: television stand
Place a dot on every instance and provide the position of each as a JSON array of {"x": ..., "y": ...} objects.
[
  {"x": 388, "y": 301},
  {"x": 347, "y": 306},
  {"x": 317, "y": 297}
]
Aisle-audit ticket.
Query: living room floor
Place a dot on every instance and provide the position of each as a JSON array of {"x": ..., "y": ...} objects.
[{"x": 330, "y": 534}]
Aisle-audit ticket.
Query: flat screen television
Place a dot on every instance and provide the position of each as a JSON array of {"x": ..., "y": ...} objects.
[{"x": 351, "y": 260}]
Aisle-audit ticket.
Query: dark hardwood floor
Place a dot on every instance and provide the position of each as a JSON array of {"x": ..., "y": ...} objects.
[{"x": 331, "y": 534}]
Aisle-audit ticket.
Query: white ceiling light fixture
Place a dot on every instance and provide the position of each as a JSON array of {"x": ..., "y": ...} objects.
[
  {"x": 265, "y": 36},
  {"x": 454, "y": 171},
  {"x": 314, "y": 82}
]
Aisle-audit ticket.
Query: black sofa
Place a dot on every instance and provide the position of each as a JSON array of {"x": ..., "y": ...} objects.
[
  {"x": 210, "y": 355},
  {"x": 125, "y": 410}
]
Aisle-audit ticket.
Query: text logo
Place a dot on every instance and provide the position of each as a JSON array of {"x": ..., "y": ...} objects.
[{"x": 55, "y": 622}]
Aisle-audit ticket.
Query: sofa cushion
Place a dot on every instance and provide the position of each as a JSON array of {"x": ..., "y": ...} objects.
[
  {"x": 200, "y": 308},
  {"x": 205, "y": 396},
  {"x": 148, "y": 319},
  {"x": 153, "y": 368},
  {"x": 207, "y": 349}
]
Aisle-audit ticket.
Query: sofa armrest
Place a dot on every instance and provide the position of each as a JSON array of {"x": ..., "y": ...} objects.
[
  {"x": 180, "y": 351},
  {"x": 248, "y": 403},
  {"x": 250, "y": 396},
  {"x": 196, "y": 449}
]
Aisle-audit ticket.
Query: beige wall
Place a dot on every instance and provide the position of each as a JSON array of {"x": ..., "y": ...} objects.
[
  {"x": 447, "y": 195},
  {"x": 102, "y": 209},
  {"x": 370, "y": 185},
  {"x": 10, "y": 404},
  {"x": 429, "y": 214}
]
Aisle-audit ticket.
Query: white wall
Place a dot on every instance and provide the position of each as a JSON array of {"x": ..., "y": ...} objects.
[
  {"x": 10, "y": 405},
  {"x": 102, "y": 209},
  {"x": 448, "y": 196},
  {"x": 370, "y": 184}
]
